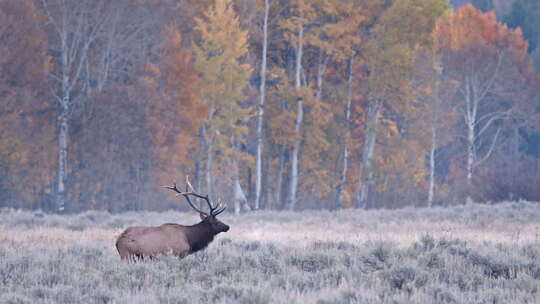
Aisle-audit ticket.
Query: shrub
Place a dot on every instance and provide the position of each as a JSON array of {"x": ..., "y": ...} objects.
[
  {"x": 430, "y": 270},
  {"x": 399, "y": 277},
  {"x": 313, "y": 262}
]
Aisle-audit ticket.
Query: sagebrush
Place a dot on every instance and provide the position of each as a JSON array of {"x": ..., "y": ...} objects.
[{"x": 72, "y": 259}]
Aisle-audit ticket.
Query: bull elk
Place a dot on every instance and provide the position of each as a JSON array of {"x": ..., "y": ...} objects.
[{"x": 139, "y": 243}]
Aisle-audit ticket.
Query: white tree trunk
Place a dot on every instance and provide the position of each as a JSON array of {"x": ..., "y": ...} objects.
[
  {"x": 63, "y": 140},
  {"x": 278, "y": 195},
  {"x": 207, "y": 134},
  {"x": 199, "y": 161},
  {"x": 431, "y": 190},
  {"x": 345, "y": 157},
  {"x": 76, "y": 25},
  {"x": 323, "y": 59},
  {"x": 367, "y": 170},
  {"x": 237, "y": 189},
  {"x": 367, "y": 153},
  {"x": 436, "y": 108},
  {"x": 298, "y": 123},
  {"x": 265, "y": 202},
  {"x": 239, "y": 196},
  {"x": 260, "y": 114},
  {"x": 474, "y": 94},
  {"x": 343, "y": 177},
  {"x": 208, "y": 173},
  {"x": 209, "y": 158},
  {"x": 470, "y": 153},
  {"x": 471, "y": 107}
]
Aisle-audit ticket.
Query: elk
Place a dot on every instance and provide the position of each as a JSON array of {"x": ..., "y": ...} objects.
[{"x": 140, "y": 243}]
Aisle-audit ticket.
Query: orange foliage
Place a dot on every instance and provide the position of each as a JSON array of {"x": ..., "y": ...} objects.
[
  {"x": 471, "y": 34},
  {"x": 176, "y": 111},
  {"x": 26, "y": 127}
]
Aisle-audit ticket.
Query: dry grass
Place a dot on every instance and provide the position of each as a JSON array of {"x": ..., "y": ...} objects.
[
  {"x": 464, "y": 254},
  {"x": 300, "y": 233},
  {"x": 509, "y": 224}
]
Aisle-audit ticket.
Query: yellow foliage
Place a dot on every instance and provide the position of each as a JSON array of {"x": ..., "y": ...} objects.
[{"x": 218, "y": 57}]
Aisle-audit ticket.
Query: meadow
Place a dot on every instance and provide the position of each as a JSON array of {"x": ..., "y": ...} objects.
[{"x": 461, "y": 254}]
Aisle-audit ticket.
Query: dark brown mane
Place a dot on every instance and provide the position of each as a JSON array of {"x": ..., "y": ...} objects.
[{"x": 199, "y": 236}]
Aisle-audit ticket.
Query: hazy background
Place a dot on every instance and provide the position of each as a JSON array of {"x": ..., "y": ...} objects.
[{"x": 404, "y": 103}]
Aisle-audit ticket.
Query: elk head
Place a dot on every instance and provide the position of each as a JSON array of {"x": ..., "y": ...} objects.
[{"x": 207, "y": 218}]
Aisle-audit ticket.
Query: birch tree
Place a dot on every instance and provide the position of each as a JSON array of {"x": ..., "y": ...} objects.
[
  {"x": 481, "y": 54},
  {"x": 401, "y": 28},
  {"x": 260, "y": 109},
  {"x": 303, "y": 14},
  {"x": 128, "y": 36},
  {"x": 339, "y": 38},
  {"x": 74, "y": 27},
  {"x": 435, "y": 121}
]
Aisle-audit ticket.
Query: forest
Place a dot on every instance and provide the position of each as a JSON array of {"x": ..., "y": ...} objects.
[{"x": 268, "y": 104}]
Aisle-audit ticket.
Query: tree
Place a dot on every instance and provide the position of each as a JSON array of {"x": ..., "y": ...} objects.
[
  {"x": 488, "y": 61},
  {"x": 404, "y": 26},
  {"x": 93, "y": 44},
  {"x": 434, "y": 120},
  {"x": 9, "y": 160},
  {"x": 24, "y": 112},
  {"x": 177, "y": 112},
  {"x": 112, "y": 151},
  {"x": 140, "y": 135},
  {"x": 129, "y": 33},
  {"x": 260, "y": 108},
  {"x": 218, "y": 58},
  {"x": 340, "y": 37},
  {"x": 74, "y": 26},
  {"x": 303, "y": 14}
]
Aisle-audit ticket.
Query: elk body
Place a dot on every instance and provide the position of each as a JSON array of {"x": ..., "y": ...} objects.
[{"x": 139, "y": 243}]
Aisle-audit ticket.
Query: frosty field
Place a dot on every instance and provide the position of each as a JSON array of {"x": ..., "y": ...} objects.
[{"x": 464, "y": 254}]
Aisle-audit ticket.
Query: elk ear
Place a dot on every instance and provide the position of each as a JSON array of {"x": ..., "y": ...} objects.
[{"x": 202, "y": 216}]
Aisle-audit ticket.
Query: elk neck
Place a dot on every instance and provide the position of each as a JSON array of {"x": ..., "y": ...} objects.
[{"x": 199, "y": 236}]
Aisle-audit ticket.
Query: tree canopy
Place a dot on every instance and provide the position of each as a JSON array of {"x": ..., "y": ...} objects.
[{"x": 271, "y": 104}]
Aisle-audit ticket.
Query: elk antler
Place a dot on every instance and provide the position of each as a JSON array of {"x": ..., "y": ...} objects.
[
  {"x": 186, "y": 195},
  {"x": 214, "y": 211},
  {"x": 219, "y": 208}
]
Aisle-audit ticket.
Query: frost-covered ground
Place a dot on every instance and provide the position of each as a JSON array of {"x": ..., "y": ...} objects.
[{"x": 463, "y": 254}]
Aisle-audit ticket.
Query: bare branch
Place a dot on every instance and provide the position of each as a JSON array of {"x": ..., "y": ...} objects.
[
  {"x": 49, "y": 16},
  {"x": 495, "y": 116},
  {"x": 489, "y": 84},
  {"x": 488, "y": 154}
]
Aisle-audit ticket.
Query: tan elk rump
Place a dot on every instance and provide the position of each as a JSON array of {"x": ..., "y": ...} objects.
[{"x": 139, "y": 243}]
